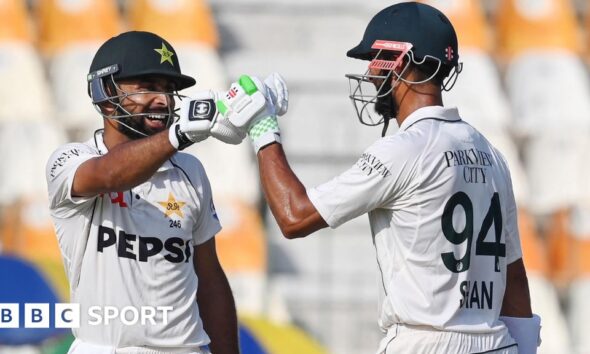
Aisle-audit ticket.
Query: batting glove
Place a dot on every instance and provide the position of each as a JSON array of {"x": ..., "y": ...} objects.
[
  {"x": 250, "y": 107},
  {"x": 194, "y": 120}
]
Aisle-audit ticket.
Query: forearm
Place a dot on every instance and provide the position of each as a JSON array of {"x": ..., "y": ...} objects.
[
  {"x": 218, "y": 312},
  {"x": 124, "y": 166},
  {"x": 517, "y": 300},
  {"x": 286, "y": 195}
]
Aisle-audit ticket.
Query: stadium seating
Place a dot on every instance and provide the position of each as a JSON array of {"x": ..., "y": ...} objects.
[
  {"x": 28, "y": 159},
  {"x": 62, "y": 24},
  {"x": 522, "y": 25},
  {"x": 21, "y": 67},
  {"x": 14, "y": 22},
  {"x": 69, "y": 33},
  {"x": 544, "y": 296},
  {"x": 548, "y": 92},
  {"x": 190, "y": 26},
  {"x": 468, "y": 18},
  {"x": 175, "y": 20},
  {"x": 242, "y": 251},
  {"x": 231, "y": 169}
]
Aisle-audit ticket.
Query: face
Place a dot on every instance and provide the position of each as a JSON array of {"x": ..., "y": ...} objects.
[
  {"x": 146, "y": 96},
  {"x": 385, "y": 104}
]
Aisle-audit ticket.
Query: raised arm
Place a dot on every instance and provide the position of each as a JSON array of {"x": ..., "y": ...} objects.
[
  {"x": 131, "y": 163},
  {"x": 123, "y": 167},
  {"x": 286, "y": 195}
]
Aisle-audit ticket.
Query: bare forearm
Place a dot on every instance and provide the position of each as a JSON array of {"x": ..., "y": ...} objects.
[
  {"x": 286, "y": 195},
  {"x": 517, "y": 300},
  {"x": 218, "y": 312},
  {"x": 124, "y": 166}
]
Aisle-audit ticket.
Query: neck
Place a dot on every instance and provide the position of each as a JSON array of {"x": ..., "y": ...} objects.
[
  {"x": 416, "y": 96},
  {"x": 112, "y": 136}
]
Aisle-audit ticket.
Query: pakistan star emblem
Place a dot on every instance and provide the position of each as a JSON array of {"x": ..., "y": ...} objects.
[
  {"x": 165, "y": 54},
  {"x": 172, "y": 206}
]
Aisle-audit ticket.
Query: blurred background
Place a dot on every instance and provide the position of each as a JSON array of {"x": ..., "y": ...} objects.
[{"x": 525, "y": 85}]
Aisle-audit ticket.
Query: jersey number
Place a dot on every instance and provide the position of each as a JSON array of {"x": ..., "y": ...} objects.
[{"x": 482, "y": 248}]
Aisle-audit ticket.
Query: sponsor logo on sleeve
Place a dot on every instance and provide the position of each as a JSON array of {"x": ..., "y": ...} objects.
[
  {"x": 61, "y": 160},
  {"x": 371, "y": 164}
]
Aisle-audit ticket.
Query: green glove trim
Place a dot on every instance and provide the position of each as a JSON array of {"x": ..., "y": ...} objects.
[
  {"x": 247, "y": 84},
  {"x": 221, "y": 107},
  {"x": 263, "y": 126}
]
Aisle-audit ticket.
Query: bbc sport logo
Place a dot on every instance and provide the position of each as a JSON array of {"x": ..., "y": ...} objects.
[{"x": 68, "y": 315}]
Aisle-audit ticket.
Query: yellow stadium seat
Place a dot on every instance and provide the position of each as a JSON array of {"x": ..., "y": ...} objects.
[
  {"x": 14, "y": 22},
  {"x": 242, "y": 252},
  {"x": 469, "y": 21},
  {"x": 62, "y": 23},
  {"x": 175, "y": 20},
  {"x": 21, "y": 66},
  {"x": 533, "y": 248},
  {"x": 524, "y": 25},
  {"x": 241, "y": 246},
  {"x": 544, "y": 296},
  {"x": 561, "y": 247}
]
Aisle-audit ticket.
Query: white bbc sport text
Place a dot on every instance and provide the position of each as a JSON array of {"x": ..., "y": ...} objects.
[{"x": 67, "y": 315}]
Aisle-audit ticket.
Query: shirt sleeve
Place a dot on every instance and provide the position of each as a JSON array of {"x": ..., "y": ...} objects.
[
  {"x": 371, "y": 183},
  {"x": 207, "y": 225},
  {"x": 60, "y": 171},
  {"x": 513, "y": 247}
]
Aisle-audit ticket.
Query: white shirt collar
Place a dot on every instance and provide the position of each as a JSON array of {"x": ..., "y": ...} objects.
[
  {"x": 432, "y": 112},
  {"x": 102, "y": 149}
]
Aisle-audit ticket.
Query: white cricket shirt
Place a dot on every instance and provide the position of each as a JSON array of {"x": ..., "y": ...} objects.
[
  {"x": 133, "y": 248},
  {"x": 443, "y": 220}
]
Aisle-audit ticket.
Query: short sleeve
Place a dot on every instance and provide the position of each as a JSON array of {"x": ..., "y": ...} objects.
[
  {"x": 207, "y": 222},
  {"x": 513, "y": 247},
  {"x": 372, "y": 182},
  {"x": 60, "y": 171}
]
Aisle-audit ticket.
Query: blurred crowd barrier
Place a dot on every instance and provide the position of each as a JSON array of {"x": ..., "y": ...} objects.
[{"x": 524, "y": 84}]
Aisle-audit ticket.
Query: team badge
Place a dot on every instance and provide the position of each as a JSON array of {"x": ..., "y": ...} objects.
[
  {"x": 172, "y": 206},
  {"x": 165, "y": 54}
]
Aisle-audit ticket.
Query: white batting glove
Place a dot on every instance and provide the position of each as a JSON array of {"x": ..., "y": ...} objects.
[
  {"x": 251, "y": 107},
  {"x": 277, "y": 93},
  {"x": 194, "y": 122}
]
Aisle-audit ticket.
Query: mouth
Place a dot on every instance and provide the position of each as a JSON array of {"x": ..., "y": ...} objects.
[{"x": 156, "y": 121}]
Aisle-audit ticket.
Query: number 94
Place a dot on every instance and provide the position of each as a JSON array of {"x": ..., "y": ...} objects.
[{"x": 483, "y": 248}]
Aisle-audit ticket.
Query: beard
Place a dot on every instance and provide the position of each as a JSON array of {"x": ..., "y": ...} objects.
[
  {"x": 385, "y": 104},
  {"x": 135, "y": 127}
]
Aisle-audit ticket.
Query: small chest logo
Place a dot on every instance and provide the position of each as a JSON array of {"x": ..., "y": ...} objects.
[
  {"x": 116, "y": 198},
  {"x": 172, "y": 206}
]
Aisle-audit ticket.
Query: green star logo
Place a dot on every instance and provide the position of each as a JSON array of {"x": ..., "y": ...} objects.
[{"x": 165, "y": 54}]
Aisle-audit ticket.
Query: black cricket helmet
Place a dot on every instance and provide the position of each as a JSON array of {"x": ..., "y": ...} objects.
[
  {"x": 408, "y": 32},
  {"x": 133, "y": 54}
]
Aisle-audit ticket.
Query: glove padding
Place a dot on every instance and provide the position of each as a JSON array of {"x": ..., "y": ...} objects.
[
  {"x": 277, "y": 93},
  {"x": 251, "y": 106},
  {"x": 194, "y": 120}
]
